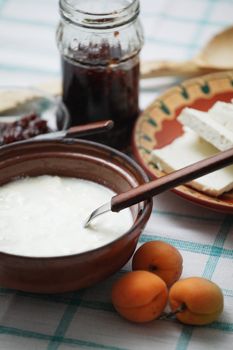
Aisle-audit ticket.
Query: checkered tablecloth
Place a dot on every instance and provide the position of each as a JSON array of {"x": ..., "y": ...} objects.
[{"x": 86, "y": 319}]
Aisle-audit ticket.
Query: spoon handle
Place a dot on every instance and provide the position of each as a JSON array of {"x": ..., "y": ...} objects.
[
  {"x": 167, "y": 182},
  {"x": 89, "y": 129},
  {"x": 78, "y": 131}
]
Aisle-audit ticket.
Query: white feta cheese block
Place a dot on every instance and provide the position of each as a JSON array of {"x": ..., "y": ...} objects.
[
  {"x": 188, "y": 149},
  {"x": 222, "y": 112},
  {"x": 206, "y": 127}
]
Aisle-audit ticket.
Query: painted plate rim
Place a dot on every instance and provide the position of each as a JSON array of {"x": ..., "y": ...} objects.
[{"x": 142, "y": 156}]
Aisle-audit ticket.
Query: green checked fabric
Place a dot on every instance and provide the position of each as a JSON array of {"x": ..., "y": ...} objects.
[{"x": 86, "y": 319}]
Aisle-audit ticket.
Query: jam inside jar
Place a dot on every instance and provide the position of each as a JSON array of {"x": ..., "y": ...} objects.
[
  {"x": 100, "y": 66},
  {"x": 95, "y": 93}
]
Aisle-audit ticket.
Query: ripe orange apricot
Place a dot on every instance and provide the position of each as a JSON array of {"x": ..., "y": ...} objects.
[
  {"x": 139, "y": 296},
  {"x": 161, "y": 258},
  {"x": 201, "y": 299}
]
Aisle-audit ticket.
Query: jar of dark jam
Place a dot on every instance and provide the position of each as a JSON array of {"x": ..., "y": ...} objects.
[{"x": 99, "y": 42}]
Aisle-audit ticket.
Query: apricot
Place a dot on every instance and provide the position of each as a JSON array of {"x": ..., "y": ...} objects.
[
  {"x": 139, "y": 296},
  {"x": 161, "y": 258},
  {"x": 201, "y": 300}
]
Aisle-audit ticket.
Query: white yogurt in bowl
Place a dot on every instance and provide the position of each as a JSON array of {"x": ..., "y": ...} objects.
[{"x": 43, "y": 216}]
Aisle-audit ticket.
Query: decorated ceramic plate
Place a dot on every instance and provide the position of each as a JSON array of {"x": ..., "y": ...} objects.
[{"x": 157, "y": 126}]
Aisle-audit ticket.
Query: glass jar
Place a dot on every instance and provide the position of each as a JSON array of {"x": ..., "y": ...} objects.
[{"x": 99, "y": 42}]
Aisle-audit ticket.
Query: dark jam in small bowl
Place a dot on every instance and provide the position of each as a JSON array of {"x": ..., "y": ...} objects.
[
  {"x": 25, "y": 128},
  {"x": 29, "y": 112}
]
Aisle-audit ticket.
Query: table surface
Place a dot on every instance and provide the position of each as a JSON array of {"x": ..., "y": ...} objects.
[{"x": 86, "y": 319}]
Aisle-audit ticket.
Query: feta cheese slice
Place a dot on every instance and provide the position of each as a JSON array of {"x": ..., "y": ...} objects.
[
  {"x": 188, "y": 149},
  {"x": 208, "y": 128},
  {"x": 222, "y": 112}
]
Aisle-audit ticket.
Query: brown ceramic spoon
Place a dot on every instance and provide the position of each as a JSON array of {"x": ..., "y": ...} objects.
[
  {"x": 216, "y": 56},
  {"x": 164, "y": 183},
  {"x": 78, "y": 131}
]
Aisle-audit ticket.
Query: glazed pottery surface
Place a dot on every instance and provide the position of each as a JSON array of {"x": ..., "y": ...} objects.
[
  {"x": 80, "y": 159},
  {"x": 158, "y": 126}
]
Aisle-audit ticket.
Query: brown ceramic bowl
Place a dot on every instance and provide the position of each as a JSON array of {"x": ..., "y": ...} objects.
[{"x": 80, "y": 159}]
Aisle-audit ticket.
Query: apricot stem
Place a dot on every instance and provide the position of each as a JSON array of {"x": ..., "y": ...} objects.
[
  {"x": 170, "y": 315},
  {"x": 152, "y": 268}
]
